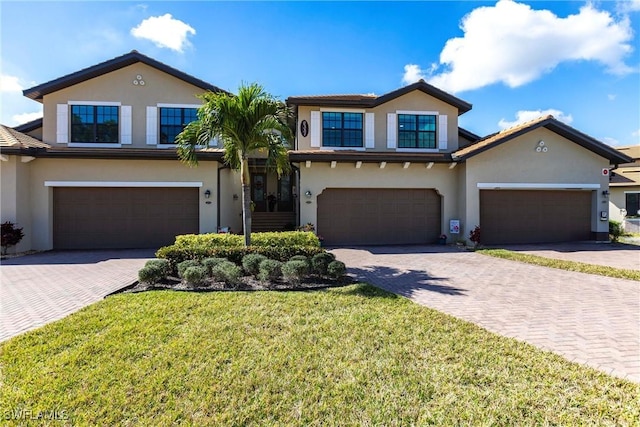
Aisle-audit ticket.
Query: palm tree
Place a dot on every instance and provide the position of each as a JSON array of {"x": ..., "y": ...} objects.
[{"x": 251, "y": 123}]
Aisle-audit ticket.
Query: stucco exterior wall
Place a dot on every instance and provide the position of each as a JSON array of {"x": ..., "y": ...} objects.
[
  {"x": 345, "y": 175},
  {"x": 413, "y": 101},
  {"x": 517, "y": 161},
  {"x": 117, "y": 86},
  {"x": 14, "y": 198},
  {"x": 41, "y": 196},
  {"x": 618, "y": 201},
  {"x": 230, "y": 207}
]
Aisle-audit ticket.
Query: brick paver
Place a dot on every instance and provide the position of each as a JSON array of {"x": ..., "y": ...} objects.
[
  {"x": 588, "y": 319},
  {"x": 41, "y": 288}
]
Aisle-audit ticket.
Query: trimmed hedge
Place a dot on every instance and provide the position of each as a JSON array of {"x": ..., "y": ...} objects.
[
  {"x": 320, "y": 262},
  {"x": 194, "y": 275},
  {"x": 227, "y": 272},
  {"x": 183, "y": 265},
  {"x": 270, "y": 270},
  {"x": 294, "y": 271},
  {"x": 251, "y": 263},
  {"x": 336, "y": 269},
  {"x": 273, "y": 239}
]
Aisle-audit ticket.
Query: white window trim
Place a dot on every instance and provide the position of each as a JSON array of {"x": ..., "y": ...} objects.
[
  {"x": 535, "y": 186},
  {"x": 632, "y": 192},
  {"x": 342, "y": 110},
  {"x": 418, "y": 113},
  {"x": 160, "y": 105},
  {"x": 72, "y": 144},
  {"x": 97, "y": 103},
  {"x": 166, "y": 105},
  {"x": 93, "y": 145},
  {"x": 417, "y": 150},
  {"x": 122, "y": 184},
  {"x": 343, "y": 148},
  {"x": 345, "y": 110}
]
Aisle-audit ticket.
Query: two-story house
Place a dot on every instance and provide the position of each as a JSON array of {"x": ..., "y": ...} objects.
[{"x": 100, "y": 170}]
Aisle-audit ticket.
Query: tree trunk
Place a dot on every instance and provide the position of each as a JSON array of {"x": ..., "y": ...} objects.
[{"x": 245, "y": 180}]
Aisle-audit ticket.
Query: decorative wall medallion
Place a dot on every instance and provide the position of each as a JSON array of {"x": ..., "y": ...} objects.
[{"x": 304, "y": 128}]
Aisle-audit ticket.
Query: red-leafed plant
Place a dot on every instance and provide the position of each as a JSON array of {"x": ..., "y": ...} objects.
[
  {"x": 10, "y": 235},
  {"x": 474, "y": 236}
]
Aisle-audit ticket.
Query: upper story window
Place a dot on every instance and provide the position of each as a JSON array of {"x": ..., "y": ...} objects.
[
  {"x": 94, "y": 124},
  {"x": 416, "y": 131},
  {"x": 342, "y": 129},
  {"x": 173, "y": 121}
]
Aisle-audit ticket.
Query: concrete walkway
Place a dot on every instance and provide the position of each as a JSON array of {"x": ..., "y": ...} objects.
[
  {"x": 588, "y": 319},
  {"x": 41, "y": 288}
]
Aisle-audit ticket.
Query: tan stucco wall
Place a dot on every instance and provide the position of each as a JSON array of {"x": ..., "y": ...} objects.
[
  {"x": 113, "y": 170},
  {"x": 618, "y": 201},
  {"x": 14, "y": 199},
  {"x": 230, "y": 208},
  {"x": 413, "y": 101},
  {"x": 516, "y": 161},
  {"x": 345, "y": 175},
  {"x": 36, "y": 133},
  {"x": 117, "y": 86}
]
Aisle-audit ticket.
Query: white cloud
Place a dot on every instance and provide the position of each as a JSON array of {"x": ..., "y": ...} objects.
[
  {"x": 528, "y": 115},
  {"x": 515, "y": 44},
  {"x": 626, "y": 6},
  {"x": 165, "y": 31},
  {"x": 19, "y": 119},
  {"x": 612, "y": 96},
  {"x": 610, "y": 141},
  {"x": 10, "y": 83},
  {"x": 636, "y": 133},
  {"x": 412, "y": 73}
]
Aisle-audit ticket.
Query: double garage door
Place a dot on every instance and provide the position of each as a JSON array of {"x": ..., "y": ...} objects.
[
  {"x": 370, "y": 216},
  {"x": 110, "y": 218},
  {"x": 534, "y": 216}
]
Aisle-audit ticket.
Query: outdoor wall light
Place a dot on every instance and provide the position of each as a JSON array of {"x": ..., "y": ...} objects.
[
  {"x": 207, "y": 194},
  {"x": 235, "y": 197},
  {"x": 308, "y": 194},
  {"x": 605, "y": 193}
]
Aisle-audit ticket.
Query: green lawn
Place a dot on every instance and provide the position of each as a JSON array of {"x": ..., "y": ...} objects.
[
  {"x": 582, "y": 267},
  {"x": 349, "y": 356}
]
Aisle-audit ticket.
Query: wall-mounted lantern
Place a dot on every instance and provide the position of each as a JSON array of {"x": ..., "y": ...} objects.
[{"x": 207, "y": 194}]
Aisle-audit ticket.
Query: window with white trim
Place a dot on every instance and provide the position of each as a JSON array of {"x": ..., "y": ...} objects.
[
  {"x": 340, "y": 129},
  {"x": 173, "y": 121},
  {"x": 416, "y": 131},
  {"x": 632, "y": 203},
  {"x": 95, "y": 124}
]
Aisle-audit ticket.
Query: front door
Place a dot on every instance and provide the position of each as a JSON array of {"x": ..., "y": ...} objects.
[
  {"x": 285, "y": 196},
  {"x": 259, "y": 191}
]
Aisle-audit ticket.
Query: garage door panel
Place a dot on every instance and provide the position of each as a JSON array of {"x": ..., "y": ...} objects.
[
  {"x": 378, "y": 216},
  {"x": 107, "y": 218},
  {"x": 528, "y": 216}
]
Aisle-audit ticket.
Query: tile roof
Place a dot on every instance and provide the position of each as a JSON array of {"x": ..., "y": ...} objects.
[
  {"x": 370, "y": 101},
  {"x": 37, "y": 92},
  {"x": 554, "y": 125},
  {"x": 11, "y": 138}
]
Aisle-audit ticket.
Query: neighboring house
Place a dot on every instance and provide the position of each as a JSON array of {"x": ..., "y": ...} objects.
[
  {"x": 100, "y": 170},
  {"x": 624, "y": 198}
]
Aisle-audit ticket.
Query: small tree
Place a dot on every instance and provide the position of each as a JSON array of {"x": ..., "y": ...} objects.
[
  {"x": 11, "y": 235},
  {"x": 474, "y": 236}
]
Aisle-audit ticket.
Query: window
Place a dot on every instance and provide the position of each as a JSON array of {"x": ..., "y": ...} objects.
[
  {"x": 94, "y": 123},
  {"x": 632, "y": 203},
  {"x": 416, "y": 131},
  {"x": 341, "y": 129},
  {"x": 173, "y": 121}
]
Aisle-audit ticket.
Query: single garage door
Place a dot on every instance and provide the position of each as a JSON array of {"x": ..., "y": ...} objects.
[
  {"x": 109, "y": 218},
  {"x": 369, "y": 216},
  {"x": 520, "y": 216}
]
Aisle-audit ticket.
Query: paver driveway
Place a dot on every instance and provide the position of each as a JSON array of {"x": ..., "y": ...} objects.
[
  {"x": 38, "y": 289},
  {"x": 586, "y": 318}
]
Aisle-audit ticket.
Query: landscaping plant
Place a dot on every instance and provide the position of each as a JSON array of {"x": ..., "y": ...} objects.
[
  {"x": 10, "y": 235},
  {"x": 336, "y": 269},
  {"x": 320, "y": 262},
  {"x": 615, "y": 230},
  {"x": 194, "y": 275},
  {"x": 251, "y": 263},
  {"x": 294, "y": 271},
  {"x": 270, "y": 270},
  {"x": 227, "y": 272},
  {"x": 474, "y": 236},
  {"x": 182, "y": 267}
]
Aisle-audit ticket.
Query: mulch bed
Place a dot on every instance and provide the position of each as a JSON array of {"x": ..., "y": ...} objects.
[{"x": 248, "y": 283}]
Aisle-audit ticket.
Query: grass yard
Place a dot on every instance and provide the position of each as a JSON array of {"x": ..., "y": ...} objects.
[
  {"x": 581, "y": 267},
  {"x": 347, "y": 356}
]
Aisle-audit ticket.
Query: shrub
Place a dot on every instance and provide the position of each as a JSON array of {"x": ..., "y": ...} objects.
[
  {"x": 304, "y": 259},
  {"x": 336, "y": 269},
  {"x": 276, "y": 238},
  {"x": 161, "y": 264},
  {"x": 251, "y": 263},
  {"x": 227, "y": 272},
  {"x": 182, "y": 267},
  {"x": 151, "y": 273},
  {"x": 474, "y": 236},
  {"x": 210, "y": 263},
  {"x": 320, "y": 262},
  {"x": 294, "y": 271},
  {"x": 10, "y": 235},
  {"x": 615, "y": 230},
  {"x": 194, "y": 275},
  {"x": 270, "y": 270}
]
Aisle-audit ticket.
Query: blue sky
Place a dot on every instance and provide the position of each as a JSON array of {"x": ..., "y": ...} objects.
[{"x": 512, "y": 60}]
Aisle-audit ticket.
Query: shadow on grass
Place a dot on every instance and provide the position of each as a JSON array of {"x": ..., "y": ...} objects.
[{"x": 404, "y": 282}]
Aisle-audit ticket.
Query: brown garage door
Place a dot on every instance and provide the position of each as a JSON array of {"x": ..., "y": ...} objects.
[
  {"x": 369, "y": 216},
  {"x": 518, "y": 216},
  {"x": 105, "y": 218}
]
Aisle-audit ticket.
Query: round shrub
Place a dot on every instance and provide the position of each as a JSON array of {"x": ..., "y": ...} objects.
[
  {"x": 304, "y": 259},
  {"x": 186, "y": 264},
  {"x": 194, "y": 275},
  {"x": 210, "y": 263},
  {"x": 151, "y": 274},
  {"x": 336, "y": 269},
  {"x": 270, "y": 270},
  {"x": 251, "y": 263},
  {"x": 162, "y": 264},
  {"x": 294, "y": 271},
  {"x": 227, "y": 272},
  {"x": 320, "y": 262}
]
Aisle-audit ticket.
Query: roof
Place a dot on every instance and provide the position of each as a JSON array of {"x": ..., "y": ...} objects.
[
  {"x": 370, "y": 101},
  {"x": 554, "y": 125},
  {"x": 368, "y": 156},
  {"x": 632, "y": 151},
  {"x": 11, "y": 139},
  {"x": 29, "y": 126},
  {"x": 133, "y": 57},
  {"x": 625, "y": 177}
]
